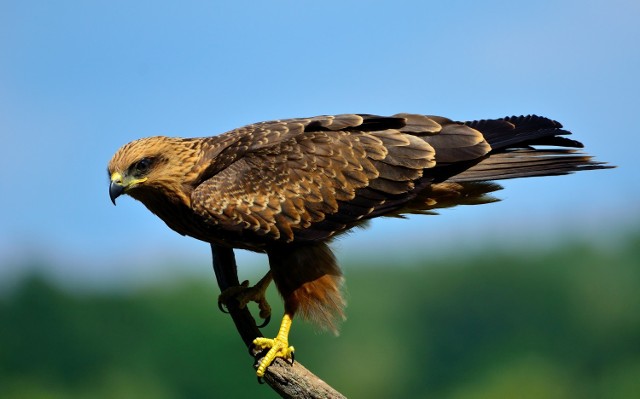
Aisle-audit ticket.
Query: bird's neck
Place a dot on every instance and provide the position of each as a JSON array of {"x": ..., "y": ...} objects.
[{"x": 172, "y": 206}]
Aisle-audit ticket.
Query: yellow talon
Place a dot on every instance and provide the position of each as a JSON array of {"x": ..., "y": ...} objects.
[{"x": 278, "y": 346}]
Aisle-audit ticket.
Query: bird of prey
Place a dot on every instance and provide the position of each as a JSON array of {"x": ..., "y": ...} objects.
[{"x": 287, "y": 187}]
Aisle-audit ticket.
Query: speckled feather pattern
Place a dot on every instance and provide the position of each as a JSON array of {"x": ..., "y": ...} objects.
[{"x": 286, "y": 187}]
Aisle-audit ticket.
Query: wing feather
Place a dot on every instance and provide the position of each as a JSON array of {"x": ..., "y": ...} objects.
[{"x": 309, "y": 177}]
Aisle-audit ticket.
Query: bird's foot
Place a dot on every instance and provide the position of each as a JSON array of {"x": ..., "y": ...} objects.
[
  {"x": 244, "y": 294},
  {"x": 277, "y": 347}
]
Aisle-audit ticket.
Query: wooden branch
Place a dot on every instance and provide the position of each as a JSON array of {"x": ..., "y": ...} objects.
[{"x": 289, "y": 381}]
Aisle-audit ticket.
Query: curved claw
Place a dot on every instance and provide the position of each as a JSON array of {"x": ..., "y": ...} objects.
[
  {"x": 244, "y": 294},
  {"x": 221, "y": 307},
  {"x": 293, "y": 357},
  {"x": 256, "y": 352},
  {"x": 260, "y": 380},
  {"x": 265, "y": 322}
]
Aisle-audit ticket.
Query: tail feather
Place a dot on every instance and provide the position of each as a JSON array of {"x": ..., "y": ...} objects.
[
  {"x": 519, "y": 131},
  {"x": 528, "y": 163},
  {"x": 513, "y": 154}
]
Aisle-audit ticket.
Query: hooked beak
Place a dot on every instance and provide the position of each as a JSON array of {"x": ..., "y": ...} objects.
[{"x": 116, "y": 188}]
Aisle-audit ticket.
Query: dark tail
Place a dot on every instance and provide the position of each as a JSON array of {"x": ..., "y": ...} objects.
[{"x": 515, "y": 153}]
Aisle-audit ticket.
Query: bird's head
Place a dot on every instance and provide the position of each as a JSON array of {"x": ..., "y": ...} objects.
[{"x": 151, "y": 166}]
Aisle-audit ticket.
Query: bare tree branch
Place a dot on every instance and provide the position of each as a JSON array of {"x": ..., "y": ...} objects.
[{"x": 289, "y": 381}]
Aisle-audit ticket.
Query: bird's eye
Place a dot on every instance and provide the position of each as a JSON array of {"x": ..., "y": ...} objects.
[{"x": 142, "y": 166}]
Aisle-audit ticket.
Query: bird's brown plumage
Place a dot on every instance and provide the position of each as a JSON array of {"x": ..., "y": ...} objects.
[{"x": 287, "y": 187}]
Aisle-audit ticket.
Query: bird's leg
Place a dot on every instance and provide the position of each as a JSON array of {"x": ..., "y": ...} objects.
[
  {"x": 245, "y": 294},
  {"x": 278, "y": 346}
]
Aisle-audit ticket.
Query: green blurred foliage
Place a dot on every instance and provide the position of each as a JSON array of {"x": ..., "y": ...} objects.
[{"x": 561, "y": 323}]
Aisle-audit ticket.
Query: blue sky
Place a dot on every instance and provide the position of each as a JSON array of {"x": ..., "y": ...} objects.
[{"x": 80, "y": 78}]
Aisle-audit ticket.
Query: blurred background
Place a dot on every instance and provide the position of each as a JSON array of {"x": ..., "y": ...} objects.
[{"x": 534, "y": 296}]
